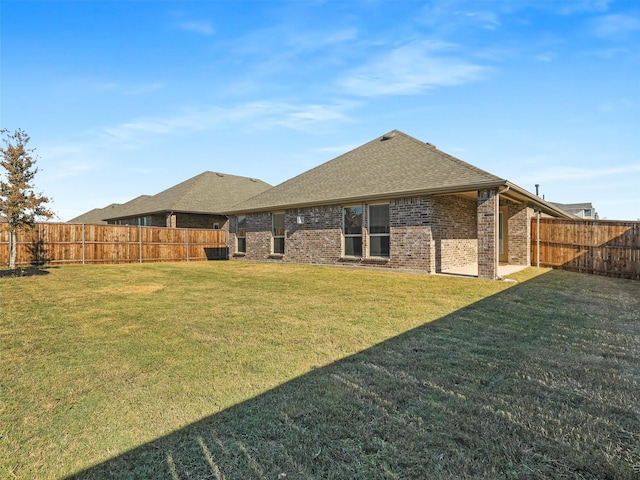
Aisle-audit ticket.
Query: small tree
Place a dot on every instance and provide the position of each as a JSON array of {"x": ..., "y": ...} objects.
[{"x": 19, "y": 204}]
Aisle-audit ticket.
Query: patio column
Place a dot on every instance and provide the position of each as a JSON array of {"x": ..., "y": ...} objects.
[{"x": 488, "y": 203}]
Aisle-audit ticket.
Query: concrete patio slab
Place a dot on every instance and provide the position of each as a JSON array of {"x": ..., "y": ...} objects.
[{"x": 471, "y": 270}]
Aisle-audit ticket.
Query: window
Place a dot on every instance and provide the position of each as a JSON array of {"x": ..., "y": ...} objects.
[
  {"x": 241, "y": 234},
  {"x": 278, "y": 233},
  {"x": 352, "y": 228},
  {"x": 379, "y": 230}
]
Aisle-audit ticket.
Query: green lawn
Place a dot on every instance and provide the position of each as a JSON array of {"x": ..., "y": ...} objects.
[{"x": 229, "y": 370}]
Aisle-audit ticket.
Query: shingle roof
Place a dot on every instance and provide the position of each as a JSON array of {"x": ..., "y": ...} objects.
[
  {"x": 573, "y": 206},
  {"x": 392, "y": 165},
  {"x": 130, "y": 208},
  {"x": 208, "y": 193},
  {"x": 96, "y": 215}
]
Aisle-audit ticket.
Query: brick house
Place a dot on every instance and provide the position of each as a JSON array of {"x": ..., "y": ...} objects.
[
  {"x": 394, "y": 202},
  {"x": 199, "y": 202}
]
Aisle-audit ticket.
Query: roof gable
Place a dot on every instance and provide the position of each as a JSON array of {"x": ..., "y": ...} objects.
[
  {"x": 96, "y": 215},
  {"x": 392, "y": 165},
  {"x": 209, "y": 192}
]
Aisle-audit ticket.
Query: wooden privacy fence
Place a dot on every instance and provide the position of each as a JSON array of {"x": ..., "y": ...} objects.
[
  {"x": 602, "y": 247},
  {"x": 64, "y": 243}
]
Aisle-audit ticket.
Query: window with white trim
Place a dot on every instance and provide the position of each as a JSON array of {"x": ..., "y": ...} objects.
[
  {"x": 352, "y": 230},
  {"x": 278, "y": 232},
  {"x": 378, "y": 220}
]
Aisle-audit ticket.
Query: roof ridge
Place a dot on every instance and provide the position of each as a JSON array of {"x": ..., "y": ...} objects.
[
  {"x": 448, "y": 155},
  {"x": 193, "y": 182}
]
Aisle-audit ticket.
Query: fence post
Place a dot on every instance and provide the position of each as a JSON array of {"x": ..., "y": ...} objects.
[
  {"x": 538, "y": 241},
  {"x": 186, "y": 231},
  {"x": 140, "y": 243},
  {"x": 83, "y": 244}
]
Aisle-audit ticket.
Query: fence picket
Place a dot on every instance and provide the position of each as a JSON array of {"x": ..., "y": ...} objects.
[
  {"x": 602, "y": 247},
  {"x": 64, "y": 243}
]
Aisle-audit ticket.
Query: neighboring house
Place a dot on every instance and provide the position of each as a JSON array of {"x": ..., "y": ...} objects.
[
  {"x": 97, "y": 215},
  {"x": 199, "y": 202},
  {"x": 394, "y": 202},
  {"x": 580, "y": 210}
]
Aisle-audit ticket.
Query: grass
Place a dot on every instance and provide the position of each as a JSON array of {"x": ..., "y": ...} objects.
[{"x": 230, "y": 370}]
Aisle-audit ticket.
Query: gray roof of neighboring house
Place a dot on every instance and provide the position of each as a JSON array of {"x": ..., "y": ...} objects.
[
  {"x": 569, "y": 207},
  {"x": 207, "y": 193},
  {"x": 96, "y": 215},
  {"x": 391, "y": 165}
]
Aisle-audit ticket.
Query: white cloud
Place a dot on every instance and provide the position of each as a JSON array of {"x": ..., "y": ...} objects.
[
  {"x": 138, "y": 132},
  {"x": 616, "y": 26},
  {"x": 460, "y": 15},
  {"x": 410, "y": 69},
  {"x": 202, "y": 27},
  {"x": 299, "y": 117},
  {"x": 317, "y": 40},
  {"x": 337, "y": 150},
  {"x": 545, "y": 56},
  {"x": 569, "y": 7},
  {"x": 488, "y": 20}
]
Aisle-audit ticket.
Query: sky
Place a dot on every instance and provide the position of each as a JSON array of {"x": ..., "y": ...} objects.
[{"x": 124, "y": 98}]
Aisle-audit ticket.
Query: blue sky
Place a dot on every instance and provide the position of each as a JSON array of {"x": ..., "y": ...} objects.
[{"x": 123, "y": 98}]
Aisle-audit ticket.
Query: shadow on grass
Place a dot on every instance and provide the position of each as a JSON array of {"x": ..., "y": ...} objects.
[
  {"x": 539, "y": 381},
  {"x": 23, "y": 272}
]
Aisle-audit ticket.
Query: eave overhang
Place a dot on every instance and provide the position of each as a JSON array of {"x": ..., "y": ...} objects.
[
  {"x": 506, "y": 188},
  {"x": 158, "y": 212}
]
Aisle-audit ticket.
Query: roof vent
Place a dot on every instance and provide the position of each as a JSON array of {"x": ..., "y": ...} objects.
[
  {"x": 219, "y": 174},
  {"x": 253, "y": 179},
  {"x": 430, "y": 145},
  {"x": 388, "y": 136}
]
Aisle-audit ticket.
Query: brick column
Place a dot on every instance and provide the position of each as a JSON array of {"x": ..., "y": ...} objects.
[
  {"x": 488, "y": 203},
  {"x": 431, "y": 246}
]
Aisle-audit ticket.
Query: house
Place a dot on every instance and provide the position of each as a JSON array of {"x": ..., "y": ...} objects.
[
  {"x": 580, "y": 210},
  {"x": 199, "y": 202},
  {"x": 97, "y": 215},
  {"x": 393, "y": 202}
]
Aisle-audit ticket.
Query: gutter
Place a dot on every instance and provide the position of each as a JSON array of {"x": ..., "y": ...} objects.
[
  {"x": 374, "y": 197},
  {"x": 535, "y": 201}
]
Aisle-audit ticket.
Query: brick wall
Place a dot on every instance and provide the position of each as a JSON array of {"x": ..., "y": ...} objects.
[
  {"x": 190, "y": 220},
  {"x": 259, "y": 239},
  {"x": 318, "y": 239},
  {"x": 519, "y": 232},
  {"x": 456, "y": 232},
  {"x": 412, "y": 245},
  {"x": 426, "y": 233},
  {"x": 176, "y": 220}
]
